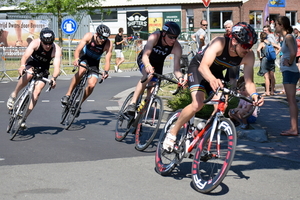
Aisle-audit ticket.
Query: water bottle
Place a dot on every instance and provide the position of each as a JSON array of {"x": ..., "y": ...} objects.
[
  {"x": 141, "y": 105},
  {"x": 200, "y": 125}
]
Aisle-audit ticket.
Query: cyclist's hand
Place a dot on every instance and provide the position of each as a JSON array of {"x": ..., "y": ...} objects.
[
  {"x": 257, "y": 100},
  {"x": 183, "y": 82},
  {"x": 215, "y": 84},
  {"x": 21, "y": 70},
  {"x": 149, "y": 69},
  {"x": 105, "y": 75},
  {"x": 76, "y": 63},
  {"x": 53, "y": 83}
]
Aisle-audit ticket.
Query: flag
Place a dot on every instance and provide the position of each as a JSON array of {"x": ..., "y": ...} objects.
[{"x": 266, "y": 14}]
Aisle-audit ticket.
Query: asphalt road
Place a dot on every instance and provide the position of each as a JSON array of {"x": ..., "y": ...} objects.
[{"x": 85, "y": 162}]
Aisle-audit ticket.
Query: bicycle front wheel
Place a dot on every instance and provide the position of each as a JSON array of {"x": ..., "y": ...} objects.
[
  {"x": 210, "y": 166},
  {"x": 19, "y": 112},
  {"x": 73, "y": 106},
  {"x": 148, "y": 124},
  {"x": 166, "y": 161},
  {"x": 124, "y": 120}
]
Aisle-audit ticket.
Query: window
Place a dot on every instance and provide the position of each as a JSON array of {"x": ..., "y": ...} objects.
[
  {"x": 217, "y": 18},
  {"x": 111, "y": 16},
  {"x": 292, "y": 16},
  {"x": 255, "y": 19}
]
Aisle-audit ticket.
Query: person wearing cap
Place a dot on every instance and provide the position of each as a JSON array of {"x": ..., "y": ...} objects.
[
  {"x": 151, "y": 59},
  {"x": 205, "y": 72}
]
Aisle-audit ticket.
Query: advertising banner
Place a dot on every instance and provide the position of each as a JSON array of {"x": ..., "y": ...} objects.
[
  {"x": 136, "y": 22},
  {"x": 155, "y": 22},
  {"x": 19, "y": 33},
  {"x": 172, "y": 16}
]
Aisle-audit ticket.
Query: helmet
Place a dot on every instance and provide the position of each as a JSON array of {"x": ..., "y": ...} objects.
[
  {"x": 47, "y": 35},
  {"x": 244, "y": 33},
  {"x": 171, "y": 28},
  {"x": 103, "y": 30}
]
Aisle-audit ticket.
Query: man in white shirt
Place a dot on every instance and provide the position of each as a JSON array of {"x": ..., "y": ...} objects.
[{"x": 201, "y": 35}]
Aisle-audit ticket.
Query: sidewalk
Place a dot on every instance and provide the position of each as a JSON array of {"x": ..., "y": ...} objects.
[{"x": 273, "y": 118}]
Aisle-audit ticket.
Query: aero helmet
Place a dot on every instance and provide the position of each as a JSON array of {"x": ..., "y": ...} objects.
[
  {"x": 171, "y": 28},
  {"x": 47, "y": 35},
  {"x": 103, "y": 30},
  {"x": 244, "y": 33}
]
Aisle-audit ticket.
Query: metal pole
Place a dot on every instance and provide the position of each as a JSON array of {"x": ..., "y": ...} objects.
[
  {"x": 208, "y": 21},
  {"x": 69, "y": 38}
]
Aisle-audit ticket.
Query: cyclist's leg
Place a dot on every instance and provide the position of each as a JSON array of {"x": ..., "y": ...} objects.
[
  {"x": 35, "y": 96},
  {"x": 75, "y": 80},
  {"x": 91, "y": 83},
  {"x": 23, "y": 81}
]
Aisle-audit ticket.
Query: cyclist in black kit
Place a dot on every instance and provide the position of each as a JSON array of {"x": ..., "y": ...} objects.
[
  {"x": 206, "y": 71},
  {"x": 89, "y": 52},
  {"x": 151, "y": 59},
  {"x": 38, "y": 55}
]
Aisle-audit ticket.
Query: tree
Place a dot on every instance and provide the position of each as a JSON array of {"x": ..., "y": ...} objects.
[{"x": 60, "y": 9}]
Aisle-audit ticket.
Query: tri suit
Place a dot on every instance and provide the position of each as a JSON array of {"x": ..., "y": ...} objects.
[{"x": 196, "y": 81}]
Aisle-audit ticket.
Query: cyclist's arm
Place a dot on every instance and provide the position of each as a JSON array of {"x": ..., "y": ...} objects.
[
  {"x": 258, "y": 51},
  {"x": 108, "y": 49},
  {"x": 214, "y": 49},
  {"x": 28, "y": 52},
  {"x": 177, "y": 52},
  {"x": 56, "y": 61},
  {"x": 152, "y": 40},
  {"x": 85, "y": 40},
  {"x": 248, "y": 62}
]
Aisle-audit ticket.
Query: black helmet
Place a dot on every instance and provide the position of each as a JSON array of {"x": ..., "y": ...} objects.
[
  {"x": 244, "y": 33},
  {"x": 171, "y": 28},
  {"x": 47, "y": 35},
  {"x": 103, "y": 30}
]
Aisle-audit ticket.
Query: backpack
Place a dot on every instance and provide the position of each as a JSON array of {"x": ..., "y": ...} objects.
[{"x": 270, "y": 52}]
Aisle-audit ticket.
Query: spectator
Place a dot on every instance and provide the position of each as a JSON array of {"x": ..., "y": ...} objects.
[
  {"x": 239, "y": 113},
  {"x": 228, "y": 27},
  {"x": 119, "y": 41},
  {"x": 290, "y": 71},
  {"x": 201, "y": 35},
  {"x": 89, "y": 52},
  {"x": 267, "y": 68},
  {"x": 270, "y": 35}
]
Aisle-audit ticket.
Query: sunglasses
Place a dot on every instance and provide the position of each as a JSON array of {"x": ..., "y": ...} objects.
[
  {"x": 172, "y": 37},
  {"x": 45, "y": 43},
  {"x": 246, "y": 46},
  {"x": 204, "y": 24},
  {"x": 102, "y": 37}
]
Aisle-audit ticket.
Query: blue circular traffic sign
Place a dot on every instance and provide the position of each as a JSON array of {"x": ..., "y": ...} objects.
[{"x": 69, "y": 26}]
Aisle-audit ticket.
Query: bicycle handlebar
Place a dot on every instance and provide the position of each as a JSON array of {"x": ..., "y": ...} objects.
[
  {"x": 160, "y": 76},
  {"x": 40, "y": 76},
  {"x": 230, "y": 92}
]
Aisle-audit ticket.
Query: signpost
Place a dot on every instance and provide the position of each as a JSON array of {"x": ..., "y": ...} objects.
[
  {"x": 69, "y": 26},
  {"x": 206, "y": 4}
]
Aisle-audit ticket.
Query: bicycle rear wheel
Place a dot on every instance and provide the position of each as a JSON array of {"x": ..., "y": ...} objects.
[
  {"x": 77, "y": 96},
  {"x": 166, "y": 161},
  {"x": 124, "y": 121},
  {"x": 148, "y": 124},
  {"x": 210, "y": 168},
  {"x": 19, "y": 112}
]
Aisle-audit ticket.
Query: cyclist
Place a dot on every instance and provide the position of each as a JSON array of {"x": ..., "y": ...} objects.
[
  {"x": 38, "y": 55},
  {"x": 88, "y": 53},
  {"x": 205, "y": 72},
  {"x": 159, "y": 45}
]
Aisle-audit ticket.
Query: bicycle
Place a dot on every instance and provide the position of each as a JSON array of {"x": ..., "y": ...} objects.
[
  {"x": 21, "y": 105},
  {"x": 147, "y": 118},
  {"x": 214, "y": 143},
  {"x": 71, "y": 109}
]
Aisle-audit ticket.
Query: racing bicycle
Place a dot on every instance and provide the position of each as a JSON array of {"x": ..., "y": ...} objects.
[
  {"x": 147, "y": 118},
  {"x": 72, "y": 109},
  {"x": 21, "y": 105},
  {"x": 214, "y": 143}
]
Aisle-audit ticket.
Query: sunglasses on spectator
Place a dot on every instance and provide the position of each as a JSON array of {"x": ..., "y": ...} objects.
[
  {"x": 172, "y": 37},
  {"x": 246, "y": 46},
  {"x": 102, "y": 37},
  {"x": 204, "y": 24}
]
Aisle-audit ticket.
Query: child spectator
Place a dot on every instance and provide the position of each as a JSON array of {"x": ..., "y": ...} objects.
[{"x": 238, "y": 114}]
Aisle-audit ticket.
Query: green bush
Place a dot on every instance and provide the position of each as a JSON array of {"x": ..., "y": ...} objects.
[{"x": 184, "y": 98}]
